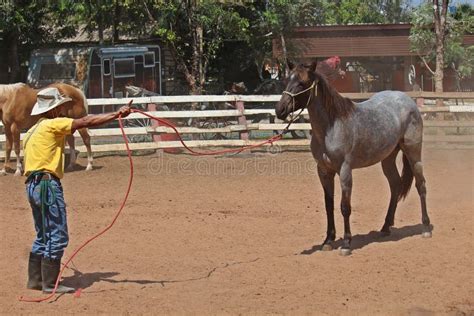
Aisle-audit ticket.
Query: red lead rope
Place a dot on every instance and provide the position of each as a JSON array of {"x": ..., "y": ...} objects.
[
  {"x": 209, "y": 153},
  {"x": 122, "y": 205}
]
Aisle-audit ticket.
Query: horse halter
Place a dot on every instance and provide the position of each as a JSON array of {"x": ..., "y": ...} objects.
[{"x": 293, "y": 95}]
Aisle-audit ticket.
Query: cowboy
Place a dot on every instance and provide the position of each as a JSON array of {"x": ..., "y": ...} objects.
[{"x": 43, "y": 147}]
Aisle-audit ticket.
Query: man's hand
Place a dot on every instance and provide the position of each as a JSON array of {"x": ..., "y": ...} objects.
[{"x": 124, "y": 111}]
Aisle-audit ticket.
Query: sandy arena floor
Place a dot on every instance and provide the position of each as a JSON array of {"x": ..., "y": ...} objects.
[{"x": 241, "y": 235}]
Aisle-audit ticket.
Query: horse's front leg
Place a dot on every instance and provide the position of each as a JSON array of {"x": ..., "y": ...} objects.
[
  {"x": 327, "y": 180},
  {"x": 345, "y": 175}
]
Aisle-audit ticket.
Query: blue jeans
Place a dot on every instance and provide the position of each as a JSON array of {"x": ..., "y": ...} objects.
[{"x": 52, "y": 235}]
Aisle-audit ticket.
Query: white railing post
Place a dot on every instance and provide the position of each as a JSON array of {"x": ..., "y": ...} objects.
[{"x": 239, "y": 105}]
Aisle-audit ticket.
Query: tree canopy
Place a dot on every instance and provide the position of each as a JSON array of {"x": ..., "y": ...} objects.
[
  {"x": 425, "y": 39},
  {"x": 198, "y": 31}
]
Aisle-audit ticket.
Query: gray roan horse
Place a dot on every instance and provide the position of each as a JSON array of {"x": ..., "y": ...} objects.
[{"x": 348, "y": 135}]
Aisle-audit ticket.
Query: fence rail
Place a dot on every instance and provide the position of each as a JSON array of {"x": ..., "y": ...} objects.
[{"x": 241, "y": 124}]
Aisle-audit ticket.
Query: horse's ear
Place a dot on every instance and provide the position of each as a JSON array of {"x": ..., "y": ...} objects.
[
  {"x": 290, "y": 64},
  {"x": 312, "y": 67}
]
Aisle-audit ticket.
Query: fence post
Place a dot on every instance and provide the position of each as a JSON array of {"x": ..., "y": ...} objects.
[
  {"x": 152, "y": 107},
  {"x": 242, "y": 119},
  {"x": 156, "y": 137}
]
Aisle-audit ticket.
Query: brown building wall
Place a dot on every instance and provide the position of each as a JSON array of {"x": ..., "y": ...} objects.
[{"x": 372, "y": 45}]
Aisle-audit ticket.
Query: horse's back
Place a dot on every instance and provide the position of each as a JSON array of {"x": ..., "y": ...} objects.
[
  {"x": 379, "y": 124},
  {"x": 391, "y": 100},
  {"x": 7, "y": 91},
  {"x": 18, "y": 104},
  {"x": 391, "y": 105}
]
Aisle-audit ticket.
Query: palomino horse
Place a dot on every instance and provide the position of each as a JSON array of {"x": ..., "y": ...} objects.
[
  {"x": 349, "y": 135},
  {"x": 19, "y": 99}
]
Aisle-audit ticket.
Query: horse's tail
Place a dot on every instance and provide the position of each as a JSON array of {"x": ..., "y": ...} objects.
[{"x": 407, "y": 178}]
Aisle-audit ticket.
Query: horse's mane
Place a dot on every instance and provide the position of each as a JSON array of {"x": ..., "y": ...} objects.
[
  {"x": 335, "y": 105},
  {"x": 7, "y": 89}
]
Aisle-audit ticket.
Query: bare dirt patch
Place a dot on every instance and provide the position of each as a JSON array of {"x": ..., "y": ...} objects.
[{"x": 241, "y": 235}]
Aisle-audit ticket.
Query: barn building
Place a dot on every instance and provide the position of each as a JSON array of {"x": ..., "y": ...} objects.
[{"x": 374, "y": 57}]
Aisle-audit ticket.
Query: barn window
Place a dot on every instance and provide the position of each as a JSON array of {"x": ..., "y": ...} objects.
[
  {"x": 124, "y": 67},
  {"x": 150, "y": 59},
  {"x": 106, "y": 68}
]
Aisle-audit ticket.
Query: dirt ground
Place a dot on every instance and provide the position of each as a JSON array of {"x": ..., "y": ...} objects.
[{"x": 241, "y": 235}]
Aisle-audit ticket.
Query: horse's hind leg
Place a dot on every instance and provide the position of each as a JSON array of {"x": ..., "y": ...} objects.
[
  {"x": 72, "y": 152},
  {"x": 8, "y": 149},
  {"x": 86, "y": 139},
  {"x": 390, "y": 171},
  {"x": 327, "y": 180},
  {"x": 413, "y": 154},
  {"x": 16, "y": 146}
]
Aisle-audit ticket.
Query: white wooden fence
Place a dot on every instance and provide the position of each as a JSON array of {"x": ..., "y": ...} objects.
[{"x": 240, "y": 121}]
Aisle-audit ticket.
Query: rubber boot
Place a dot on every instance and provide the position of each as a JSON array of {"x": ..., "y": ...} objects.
[
  {"x": 34, "y": 272},
  {"x": 49, "y": 272}
]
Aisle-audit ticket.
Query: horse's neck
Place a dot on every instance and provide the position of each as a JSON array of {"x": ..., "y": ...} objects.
[{"x": 319, "y": 118}]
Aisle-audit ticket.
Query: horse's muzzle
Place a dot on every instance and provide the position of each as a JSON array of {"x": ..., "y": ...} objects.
[
  {"x": 281, "y": 108},
  {"x": 282, "y": 115}
]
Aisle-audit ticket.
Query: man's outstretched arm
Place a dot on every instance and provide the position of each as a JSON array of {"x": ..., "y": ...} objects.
[{"x": 99, "y": 119}]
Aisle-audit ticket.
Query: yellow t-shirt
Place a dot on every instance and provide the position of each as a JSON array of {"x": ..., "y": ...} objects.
[{"x": 44, "y": 145}]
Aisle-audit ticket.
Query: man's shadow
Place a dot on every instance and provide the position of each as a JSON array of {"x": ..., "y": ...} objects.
[
  {"x": 85, "y": 280},
  {"x": 359, "y": 241}
]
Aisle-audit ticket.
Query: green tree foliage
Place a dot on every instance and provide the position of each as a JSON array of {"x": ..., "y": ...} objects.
[
  {"x": 461, "y": 57},
  {"x": 355, "y": 11},
  {"x": 25, "y": 25},
  {"x": 22, "y": 26},
  {"x": 423, "y": 39},
  {"x": 194, "y": 31}
]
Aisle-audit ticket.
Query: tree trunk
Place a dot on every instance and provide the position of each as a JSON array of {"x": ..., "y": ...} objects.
[
  {"x": 200, "y": 57},
  {"x": 100, "y": 27},
  {"x": 13, "y": 60},
  {"x": 440, "y": 11},
  {"x": 193, "y": 75},
  {"x": 285, "y": 56},
  {"x": 116, "y": 21}
]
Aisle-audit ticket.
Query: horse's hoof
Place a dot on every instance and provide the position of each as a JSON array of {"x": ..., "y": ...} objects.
[
  {"x": 345, "y": 252},
  {"x": 3, "y": 173},
  {"x": 385, "y": 233},
  {"x": 427, "y": 234},
  {"x": 327, "y": 247},
  {"x": 17, "y": 173},
  {"x": 89, "y": 168}
]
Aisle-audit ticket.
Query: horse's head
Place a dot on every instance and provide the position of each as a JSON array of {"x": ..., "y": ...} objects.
[{"x": 299, "y": 90}]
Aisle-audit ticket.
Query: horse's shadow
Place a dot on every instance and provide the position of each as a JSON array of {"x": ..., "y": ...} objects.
[{"x": 359, "y": 241}]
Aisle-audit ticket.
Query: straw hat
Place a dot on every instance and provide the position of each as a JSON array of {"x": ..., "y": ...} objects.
[{"x": 48, "y": 99}]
